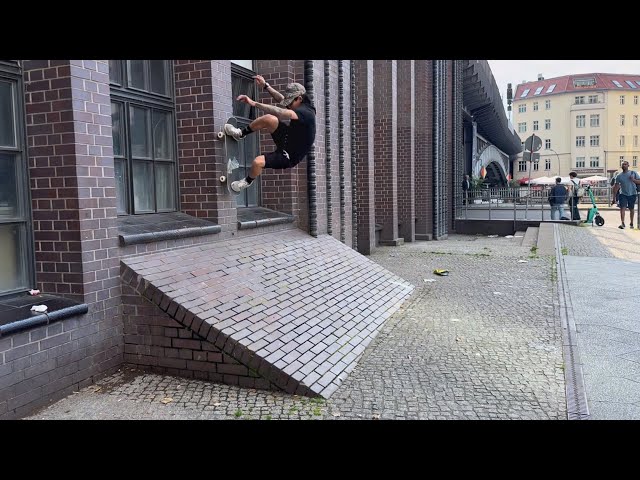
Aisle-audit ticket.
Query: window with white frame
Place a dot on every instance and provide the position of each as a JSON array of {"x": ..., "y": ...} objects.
[
  {"x": 580, "y": 121},
  {"x": 622, "y": 120},
  {"x": 522, "y": 127},
  {"x": 621, "y": 99},
  {"x": 522, "y": 166},
  {"x": 16, "y": 240},
  {"x": 535, "y": 125},
  {"x": 594, "y": 140},
  {"x": 635, "y": 99},
  {"x": 547, "y": 124},
  {"x": 535, "y": 106},
  {"x": 547, "y": 104},
  {"x": 580, "y": 141},
  {"x": 522, "y": 108},
  {"x": 635, "y": 140},
  {"x": 622, "y": 140},
  {"x": 547, "y": 164},
  {"x": 547, "y": 143},
  {"x": 593, "y": 98},
  {"x": 594, "y": 120},
  {"x": 594, "y": 162},
  {"x": 621, "y": 159},
  {"x": 635, "y": 161},
  {"x": 536, "y": 166},
  {"x": 580, "y": 162},
  {"x": 579, "y": 100},
  {"x": 635, "y": 120}
]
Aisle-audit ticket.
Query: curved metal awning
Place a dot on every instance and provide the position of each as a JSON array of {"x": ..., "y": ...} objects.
[{"x": 481, "y": 98}]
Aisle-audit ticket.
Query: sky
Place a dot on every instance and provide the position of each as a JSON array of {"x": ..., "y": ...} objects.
[{"x": 515, "y": 71}]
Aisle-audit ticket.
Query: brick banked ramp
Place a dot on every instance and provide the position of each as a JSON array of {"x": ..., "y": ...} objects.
[{"x": 296, "y": 310}]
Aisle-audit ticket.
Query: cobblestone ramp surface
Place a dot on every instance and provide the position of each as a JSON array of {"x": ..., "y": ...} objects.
[{"x": 297, "y": 310}]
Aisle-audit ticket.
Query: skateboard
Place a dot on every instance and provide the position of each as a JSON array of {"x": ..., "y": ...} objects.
[{"x": 232, "y": 155}]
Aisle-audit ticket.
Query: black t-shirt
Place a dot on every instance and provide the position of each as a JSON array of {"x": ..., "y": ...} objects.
[{"x": 300, "y": 134}]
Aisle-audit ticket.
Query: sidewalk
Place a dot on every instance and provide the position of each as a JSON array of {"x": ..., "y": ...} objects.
[{"x": 460, "y": 348}]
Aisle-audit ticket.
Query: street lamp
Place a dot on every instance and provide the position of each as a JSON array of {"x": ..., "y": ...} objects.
[{"x": 556, "y": 156}]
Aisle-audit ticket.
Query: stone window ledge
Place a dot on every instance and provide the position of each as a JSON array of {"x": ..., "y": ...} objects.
[
  {"x": 16, "y": 314},
  {"x": 254, "y": 217},
  {"x": 135, "y": 229}
]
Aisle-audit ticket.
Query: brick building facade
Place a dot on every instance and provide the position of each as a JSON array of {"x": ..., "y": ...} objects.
[{"x": 115, "y": 160}]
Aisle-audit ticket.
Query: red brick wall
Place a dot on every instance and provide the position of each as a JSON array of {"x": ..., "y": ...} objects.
[
  {"x": 424, "y": 148},
  {"x": 406, "y": 149},
  {"x": 386, "y": 149},
  {"x": 364, "y": 151},
  {"x": 203, "y": 105}
]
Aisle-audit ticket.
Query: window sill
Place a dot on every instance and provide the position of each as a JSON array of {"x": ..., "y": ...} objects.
[
  {"x": 155, "y": 227},
  {"x": 255, "y": 217},
  {"x": 16, "y": 314}
]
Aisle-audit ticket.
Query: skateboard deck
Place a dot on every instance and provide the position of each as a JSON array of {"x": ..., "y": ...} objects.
[{"x": 232, "y": 156}]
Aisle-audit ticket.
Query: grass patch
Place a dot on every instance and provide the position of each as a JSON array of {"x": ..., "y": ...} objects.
[
  {"x": 534, "y": 249},
  {"x": 564, "y": 251},
  {"x": 238, "y": 413}
]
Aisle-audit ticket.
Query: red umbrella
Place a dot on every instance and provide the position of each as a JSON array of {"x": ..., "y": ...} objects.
[{"x": 524, "y": 181}]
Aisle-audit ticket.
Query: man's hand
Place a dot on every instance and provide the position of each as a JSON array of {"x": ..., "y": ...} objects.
[
  {"x": 245, "y": 99},
  {"x": 260, "y": 80}
]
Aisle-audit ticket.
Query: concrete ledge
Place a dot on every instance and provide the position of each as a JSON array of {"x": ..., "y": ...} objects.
[{"x": 546, "y": 240}]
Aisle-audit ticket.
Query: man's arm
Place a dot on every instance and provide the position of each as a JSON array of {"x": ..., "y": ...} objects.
[
  {"x": 281, "y": 113},
  {"x": 277, "y": 96}
]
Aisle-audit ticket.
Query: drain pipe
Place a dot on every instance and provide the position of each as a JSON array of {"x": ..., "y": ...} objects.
[{"x": 312, "y": 184}]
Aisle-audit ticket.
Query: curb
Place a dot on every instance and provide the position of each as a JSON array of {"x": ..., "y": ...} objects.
[{"x": 576, "y": 395}]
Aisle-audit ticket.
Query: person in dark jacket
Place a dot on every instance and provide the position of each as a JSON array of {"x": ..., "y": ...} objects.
[
  {"x": 292, "y": 125},
  {"x": 557, "y": 197},
  {"x": 466, "y": 186}
]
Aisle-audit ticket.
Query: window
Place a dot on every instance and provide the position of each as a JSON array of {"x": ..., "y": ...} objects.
[
  {"x": 630, "y": 83},
  {"x": 580, "y": 162},
  {"x": 535, "y": 106},
  {"x": 594, "y": 162},
  {"x": 547, "y": 104},
  {"x": 522, "y": 127},
  {"x": 622, "y": 140},
  {"x": 593, "y": 98},
  {"x": 619, "y": 85},
  {"x": 635, "y": 120},
  {"x": 522, "y": 166},
  {"x": 580, "y": 121},
  {"x": 551, "y": 87},
  {"x": 525, "y": 93},
  {"x": 580, "y": 141},
  {"x": 579, "y": 100},
  {"x": 635, "y": 161},
  {"x": 547, "y": 124},
  {"x": 536, "y": 166},
  {"x": 595, "y": 120},
  {"x": 144, "y": 143},
  {"x": 622, "y": 120},
  {"x": 547, "y": 164},
  {"x": 621, "y": 159},
  {"x": 242, "y": 83},
  {"x": 621, "y": 99},
  {"x": 594, "y": 140},
  {"x": 16, "y": 255},
  {"x": 538, "y": 90},
  {"x": 535, "y": 125},
  {"x": 635, "y": 99},
  {"x": 522, "y": 108},
  {"x": 547, "y": 143},
  {"x": 635, "y": 140},
  {"x": 584, "y": 82}
]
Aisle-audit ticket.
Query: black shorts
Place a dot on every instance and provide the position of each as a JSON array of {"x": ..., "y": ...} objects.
[{"x": 279, "y": 159}]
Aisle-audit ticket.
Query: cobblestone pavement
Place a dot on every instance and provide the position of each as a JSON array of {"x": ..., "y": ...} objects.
[{"x": 481, "y": 343}]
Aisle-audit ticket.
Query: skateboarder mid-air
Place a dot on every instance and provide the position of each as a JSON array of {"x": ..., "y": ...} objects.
[{"x": 292, "y": 125}]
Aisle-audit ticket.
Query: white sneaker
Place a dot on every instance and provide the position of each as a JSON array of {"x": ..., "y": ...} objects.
[
  {"x": 239, "y": 185},
  {"x": 232, "y": 131}
]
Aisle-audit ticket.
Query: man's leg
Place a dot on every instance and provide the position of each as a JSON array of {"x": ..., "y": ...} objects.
[
  {"x": 630, "y": 217},
  {"x": 622, "y": 210},
  {"x": 265, "y": 122},
  {"x": 277, "y": 160},
  {"x": 256, "y": 169}
]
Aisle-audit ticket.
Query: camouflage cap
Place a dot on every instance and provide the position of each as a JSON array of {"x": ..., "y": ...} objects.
[{"x": 292, "y": 91}]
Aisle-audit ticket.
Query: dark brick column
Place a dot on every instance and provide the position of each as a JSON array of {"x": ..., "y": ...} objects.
[
  {"x": 364, "y": 151},
  {"x": 406, "y": 149},
  {"x": 385, "y": 94},
  {"x": 424, "y": 149},
  {"x": 203, "y": 105}
]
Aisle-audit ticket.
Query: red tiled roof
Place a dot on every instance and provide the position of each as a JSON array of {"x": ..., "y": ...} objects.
[{"x": 604, "y": 81}]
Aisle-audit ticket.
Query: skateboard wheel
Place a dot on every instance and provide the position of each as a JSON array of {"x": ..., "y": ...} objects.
[
  {"x": 220, "y": 135},
  {"x": 223, "y": 178}
]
